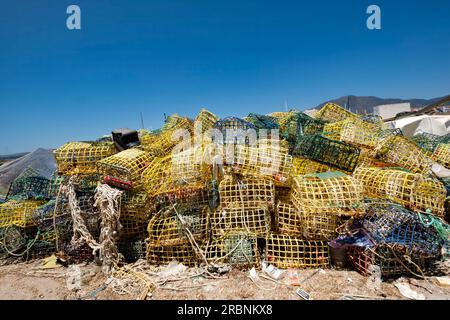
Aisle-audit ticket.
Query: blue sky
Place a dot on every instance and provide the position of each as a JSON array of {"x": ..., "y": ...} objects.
[{"x": 232, "y": 57}]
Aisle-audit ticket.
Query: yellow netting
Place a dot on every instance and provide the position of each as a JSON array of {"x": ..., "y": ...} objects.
[
  {"x": 126, "y": 166},
  {"x": 75, "y": 158},
  {"x": 205, "y": 120},
  {"x": 168, "y": 228},
  {"x": 331, "y": 192},
  {"x": 135, "y": 212},
  {"x": 354, "y": 131},
  {"x": 247, "y": 191},
  {"x": 18, "y": 213},
  {"x": 302, "y": 166},
  {"x": 332, "y": 112},
  {"x": 175, "y": 122},
  {"x": 319, "y": 225},
  {"x": 442, "y": 154},
  {"x": 405, "y": 153},
  {"x": 236, "y": 217},
  {"x": 408, "y": 189},
  {"x": 182, "y": 253},
  {"x": 289, "y": 219},
  {"x": 236, "y": 248},
  {"x": 282, "y": 193},
  {"x": 265, "y": 160},
  {"x": 290, "y": 252}
]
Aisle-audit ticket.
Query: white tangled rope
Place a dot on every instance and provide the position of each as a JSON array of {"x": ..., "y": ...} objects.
[{"x": 107, "y": 200}]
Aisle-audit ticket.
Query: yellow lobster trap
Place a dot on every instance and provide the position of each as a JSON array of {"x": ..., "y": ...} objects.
[
  {"x": 332, "y": 112},
  {"x": 18, "y": 213},
  {"x": 173, "y": 225},
  {"x": 442, "y": 154},
  {"x": 405, "y": 188},
  {"x": 291, "y": 252},
  {"x": 266, "y": 160},
  {"x": 330, "y": 192},
  {"x": 235, "y": 217},
  {"x": 125, "y": 168},
  {"x": 247, "y": 191},
  {"x": 135, "y": 212},
  {"x": 75, "y": 158},
  {"x": 161, "y": 255},
  {"x": 400, "y": 151},
  {"x": 302, "y": 166},
  {"x": 205, "y": 121},
  {"x": 354, "y": 131},
  {"x": 288, "y": 219},
  {"x": 236, "y": 248}
]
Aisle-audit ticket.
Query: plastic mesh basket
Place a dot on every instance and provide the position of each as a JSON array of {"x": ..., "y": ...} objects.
[
  {"x": 205, "y": 120},
  {"x": 332, "y": 112},
  {"x": 290, "y": 252},
  {"x": 442, "y": 154},
  {"x": 302, "y": 166},
  {"x": 125, "y": 168},
  {"x": 336, "y": 153},
  {"x": 235, "y": 131},
  {"x": 135, "y": 211},
  {"x": 162, "y": 255},
  {"x": 289, "y": 219},
  {"x": 354, "y": 131},
  {"x": 81, "y": 157},
  {"x": 29, "y": 187},
  {"x": 18, "y": 213}
]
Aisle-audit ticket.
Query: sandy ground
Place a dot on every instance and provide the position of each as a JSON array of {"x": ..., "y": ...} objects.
[{"x": 28, "y": 281}]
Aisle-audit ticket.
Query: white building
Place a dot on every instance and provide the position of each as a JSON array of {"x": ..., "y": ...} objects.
[{"x": 387, "y": 111}]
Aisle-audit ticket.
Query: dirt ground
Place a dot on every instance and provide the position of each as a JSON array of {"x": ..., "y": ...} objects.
[{"x": 27, "y": 281}]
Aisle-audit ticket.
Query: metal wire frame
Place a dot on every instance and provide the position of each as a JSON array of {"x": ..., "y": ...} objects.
[
  {"x": 135, "y": 212},
  {"x": 291, "y": 252},
  {"x": 405, "y": 188},
  {"x": 442, "y": 154},
  {"x": 353, "y": 131},
  {"x": 391, "y": 261},
  {"x": 235, "y": 217},
  {"x": 167, "y": 227},
  {"x": 237, "y": 248},
  {"x": 404, "y": 153},
  {"x": 247, "y": 191},
  {"x": 336, "y": 153},
  {"x": 75, "y": 158},
  {"x": 331, "y": 192},
  {"x": 265, "y": 160},
  {"x": 126, "y": 167},
  {"x": 332, "y": 112}
]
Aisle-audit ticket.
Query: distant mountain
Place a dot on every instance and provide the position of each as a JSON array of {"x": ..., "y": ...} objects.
[{"x": 364, "y": 105}]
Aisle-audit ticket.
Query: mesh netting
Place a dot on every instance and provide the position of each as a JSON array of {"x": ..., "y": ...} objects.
[
  {"x": 336, "y": 153},
  {"x": 81, "y": 157},
  {"x": 237, "y": 248},
  {"x": 290, "y": 252},
  {"x": 302, "y": 166},
  {"x": 135, "y": 211},
  {"x": 175, "y": 122},
  {"x": 404, "y": 153},
  {"x": 124, "y": 169},
  {"x": 442, "y": 154},
  {"x": 18, "y": 213},
  {"x": 289, "y": 219},
  {"x": 353, "y": 131},
  {"x": 235, "y": 130},
  {"x": 428, "y": 141},
  {"x": 262, "y": 121},
  {"x": 205, "y": 120},
  {"x": 29, "y": 187},
  {"x": 331, "y": 112},
  {"x": 161, "y": 255},
  {"x": 331, "y": 192}
]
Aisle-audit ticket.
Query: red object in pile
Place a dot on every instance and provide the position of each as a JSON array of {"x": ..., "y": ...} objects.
[{"x": 114, "y": 182}]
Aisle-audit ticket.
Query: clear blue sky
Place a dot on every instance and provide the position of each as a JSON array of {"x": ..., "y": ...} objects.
[{"x": 232, "y": 57}]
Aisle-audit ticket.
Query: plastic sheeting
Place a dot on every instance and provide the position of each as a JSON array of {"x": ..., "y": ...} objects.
[{"x": 438, "y": 125}]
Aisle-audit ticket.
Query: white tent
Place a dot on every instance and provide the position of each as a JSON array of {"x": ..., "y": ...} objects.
[{"x": 435, "y": 124}]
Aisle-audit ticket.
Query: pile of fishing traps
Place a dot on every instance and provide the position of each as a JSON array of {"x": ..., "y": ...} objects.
[{"x": 286, "y": 188}]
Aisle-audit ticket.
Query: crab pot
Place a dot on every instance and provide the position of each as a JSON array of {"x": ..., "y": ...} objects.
[
  {"x": 335, "y": 153},
  {"x": 235, "y": 217},
  {"x": 51, "y": 213},
  {"x": 282, "y": 193},
  {"x": 75, "y": 158},
  {"x": 391, "y": 223},
  {"x": 18, "y": 213},
  {"x": 405, "y": 188},
  {"x": 291, "y": 252},
  {"x": 238, "y": 249},
  {"x": 442, "y": 154},
  {"x": 235, "y": 131},
  {"x": 132, "y": 249},
  {"x": 319, "y": 225},
  {"x": 247, "y": 191},
  {"x": 176, "y": 122},
  {"x": 158, "y": 144},
  {"x": 391, "y": 262},
  {"x": 135, "y": 211},
  {"x": 404, "y": 153},
  {"x": 205, "y": 120},
  {"x": 162, "y": 255},
  {"x": 353, "y": 131},
  {"x": 169, "y": 228},
  {"x": 330, "y": 192},
  {"x": 124, "y": 169},
  {"x": 76, "y": 253},
  {"x": 34, "y": 187},
  {"x": 428, "y": 142},
  {"x": 294, "y": 124},
  {"x": 289, "y": 220},
  {"x": 331, "y": 112},
  {"x": 302, "y": 166},
  {"x": 191, "y": 195},
  {"x": 12, "y": 239},
  {"x": 265, "y": 160},
  {"x": 54, "y": 186}
]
